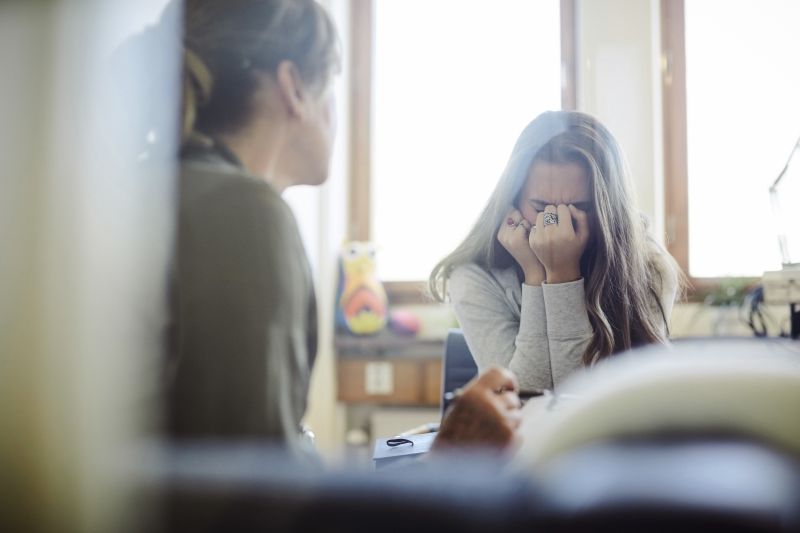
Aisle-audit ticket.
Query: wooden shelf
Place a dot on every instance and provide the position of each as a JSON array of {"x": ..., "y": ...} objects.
[{"x": 387, "y": 344}]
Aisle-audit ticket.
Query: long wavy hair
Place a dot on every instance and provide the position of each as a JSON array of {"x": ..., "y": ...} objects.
[{"x": 622, "y": 264}]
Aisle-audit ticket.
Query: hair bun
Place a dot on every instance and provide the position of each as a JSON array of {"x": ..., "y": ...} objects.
[
  {"x": 197, "y": 85},
  {"x": 199, "y": 74}
]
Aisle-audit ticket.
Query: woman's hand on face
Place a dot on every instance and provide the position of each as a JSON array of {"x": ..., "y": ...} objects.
[
  {"x": 559, "y": 245},
  {"x": 514, "y": 236}
]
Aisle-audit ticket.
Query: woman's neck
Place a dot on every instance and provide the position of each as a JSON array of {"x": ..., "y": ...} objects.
[{"x": 258, "y": 148}]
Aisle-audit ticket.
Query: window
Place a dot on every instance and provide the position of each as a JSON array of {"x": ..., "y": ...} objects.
[
  {"x": 454, "y": 82},
  {"x": 742, "y": 118}
]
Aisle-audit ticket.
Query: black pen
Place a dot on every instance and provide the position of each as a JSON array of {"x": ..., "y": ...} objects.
[
  {"x": 524, "y": 394},
  {"x": 527, "y": 394}
]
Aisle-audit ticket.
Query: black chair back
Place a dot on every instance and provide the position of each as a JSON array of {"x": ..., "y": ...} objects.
[{"x": 458, "y": 366}]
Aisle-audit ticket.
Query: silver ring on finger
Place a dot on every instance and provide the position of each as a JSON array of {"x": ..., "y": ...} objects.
[{"x": 550, "y": 218}]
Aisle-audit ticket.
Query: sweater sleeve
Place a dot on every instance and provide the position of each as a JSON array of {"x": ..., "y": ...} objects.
[
  {"x": 568, "y": 328},
  {"x": 495, "y": 333}
]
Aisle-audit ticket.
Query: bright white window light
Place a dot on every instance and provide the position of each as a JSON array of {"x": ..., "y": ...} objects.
[
  {"x": 743, "y": 112},
  {"x": 455, "y": 82},
  {"x": 785, "y": 195}
]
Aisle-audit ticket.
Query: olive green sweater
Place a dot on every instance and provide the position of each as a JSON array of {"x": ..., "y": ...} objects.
[{"x": 244, "y": 320}]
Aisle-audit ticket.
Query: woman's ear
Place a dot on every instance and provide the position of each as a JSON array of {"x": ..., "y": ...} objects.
[{"x": 292, "y": 90}]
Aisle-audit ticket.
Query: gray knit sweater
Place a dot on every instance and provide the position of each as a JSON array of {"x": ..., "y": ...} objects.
[{"x": 540, "y": 333}]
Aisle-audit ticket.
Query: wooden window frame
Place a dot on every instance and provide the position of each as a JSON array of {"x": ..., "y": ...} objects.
[
  {"x": 676, "y": 166},
  {"x": 361, "y": 44},
  {"x": 360, "y": 90}
]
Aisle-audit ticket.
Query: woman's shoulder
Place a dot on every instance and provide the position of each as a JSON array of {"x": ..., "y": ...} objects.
[
  {"x": 471, "y": 277},
  {"x": 208, "y": 189}
]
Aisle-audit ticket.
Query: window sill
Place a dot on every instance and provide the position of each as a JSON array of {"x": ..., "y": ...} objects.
[
  {"x": 719, "y": 291},
  {"x": 408, "y": 292}
]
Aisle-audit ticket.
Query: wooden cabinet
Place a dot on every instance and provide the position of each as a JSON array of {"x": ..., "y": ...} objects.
[
  {"x": 389, "y": 381},
  {"x": 380, "y": 372},
  {"x": 433, "y": 382}
]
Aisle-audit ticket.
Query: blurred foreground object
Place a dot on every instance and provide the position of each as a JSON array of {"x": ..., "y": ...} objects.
[
  {"x": 744, "y": 388},
  {"x": 704, "y": 485},
  {"x": 84, "y": 235}
]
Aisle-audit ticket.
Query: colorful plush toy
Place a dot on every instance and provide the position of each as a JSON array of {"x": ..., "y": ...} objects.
[{"x": 362, "y": 303}]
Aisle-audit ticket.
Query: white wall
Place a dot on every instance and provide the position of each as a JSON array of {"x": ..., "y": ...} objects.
[{"x": 619, "y": 82}]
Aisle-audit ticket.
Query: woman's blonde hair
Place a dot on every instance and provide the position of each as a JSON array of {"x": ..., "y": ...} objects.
[
  {"x": 622, "y": 264},
  {"x": 227, "y": 42}
]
